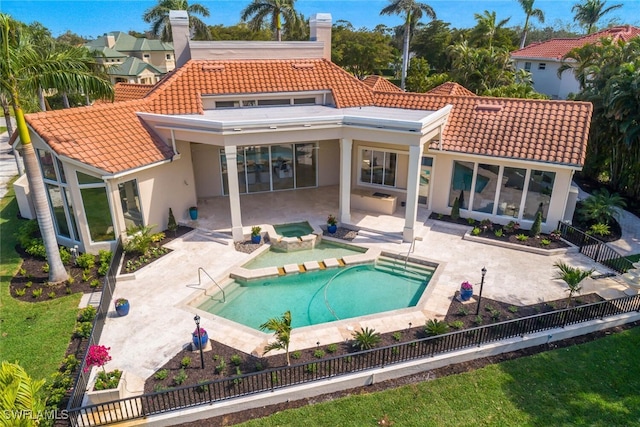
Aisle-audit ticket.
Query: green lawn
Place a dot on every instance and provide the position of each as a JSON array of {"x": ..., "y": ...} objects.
[
  {"x": 3, "y": 129},
  {"x": 35, "y": 335},
  {"x": 634, "y": 258},
  {"x": 594, "y": 384}
]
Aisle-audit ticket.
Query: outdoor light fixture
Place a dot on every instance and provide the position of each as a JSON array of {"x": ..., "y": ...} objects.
[
  {"x": 197, "y": 320},
  {"x": 484, "y": 271}
]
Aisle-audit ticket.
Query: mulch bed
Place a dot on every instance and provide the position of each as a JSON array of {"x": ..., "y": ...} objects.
[
  {"x": 133, "y": 262},
  {"x": 460, "y": 314},
  {"x": 511, "y": 237}
]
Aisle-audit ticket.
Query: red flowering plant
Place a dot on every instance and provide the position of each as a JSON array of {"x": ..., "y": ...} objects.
[
  {"x": 202, "y": 332},
  {"x": 466, "y": 286},
  {"x": 98, "y": 355}
]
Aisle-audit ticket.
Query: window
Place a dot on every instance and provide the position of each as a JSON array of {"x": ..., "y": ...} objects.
[
  {"x": 511, "y": 191},
  {"x": 538, "y": 194},
  {"x": 542, "y": 66},
  {"x": 227, "y": 104},
  {"x": 485, "y": 188},
  {"x": 378, "y": 167},
  {"x": 262, "y": 102},
  {"x": 168, "y": 56},
  {"x": 96, "y": 207},
  {"x": 461, "y": 180},
  {"x": 527, "y": 66},
  {"x": 146, "y": 56},
  {"x": 130, "y": 203}
]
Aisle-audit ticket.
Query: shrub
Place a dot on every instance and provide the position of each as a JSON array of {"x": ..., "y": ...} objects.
[
  {"x": 172, "y": 225},
  {"x": 65, "y": 255},
  {"x": 436, "y": 327},
  {"x": 296, "y": 354},
  {"x": 555, "y": 235},
  {"x": 83, "y": 329},
  {"x": 498, "y": 232},
  {"x": 545, "y": 242},
  {"x": 522, "y": 237},
  {"x": 104, "y": 256},
  {"x": 311, "y": 368},
  {"x": 259, "y": 367},
  {"x": 36, "y": 292},
  {"x": 512, "y": 227},
  {"x": 185, "y": 362},
  {"x": 537, "y": 225},
  {"x": 397, "y": 336},
  {"x": 45, "y": 267},
  {"x": 457, "y": 324},
  {"x": 599, "y": 229},
  {"x": 476, "y": 231},
  {"x": 36, "y": 249},
  {"x": 51, "y": 295},
  {"x": 27, "y": 232},
  {"x": 319, "y": 353},
  {"x": 86, "y": 261},
  {"x": 332, "y": 348},
  {"x": 20, "y": 292},
  {"x": 601, "y": 206},
  {"x": 477, "y": 320},
  {"x": 471, "y": 221},
  {"x": 87, "y": 314},
  {"x": 107, "y": 380},
  {"x": 28, "y": 284},
  {"x": 366, "y": 338},
  {"x": 236, "y": 360},
  {"x": 94, "y": 283},
  {"x": 486, "y": 225},
  {"x": 161, "y": 374},
  {"x": 455, "y": 209},
  {"x": 180, "y": 377},
  {"x": 139, "y": 240},
  {"x": 463, "y": 311},
  {"x": 220, "y": 367}
]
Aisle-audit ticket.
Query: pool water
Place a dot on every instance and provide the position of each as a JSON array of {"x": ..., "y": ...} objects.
[
  {"x": 357, "y": 291},
  {"x": 323, "y": 250},
  {"x": 295, "y": 229}
]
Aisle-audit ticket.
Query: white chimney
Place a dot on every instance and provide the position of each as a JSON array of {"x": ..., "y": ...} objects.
[
  {"x": 179, "y": 20},
  {"x": 320, "y": 30},
  {"x": 111, "y": 40}
]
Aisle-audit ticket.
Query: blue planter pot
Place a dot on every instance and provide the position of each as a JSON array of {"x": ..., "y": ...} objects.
[
  {"x": 204, "y": 338},
  {"x": 123, "y": 309},
  {"x": 466, "y": 294},
  {"x": 193, "y": 213},
  {"x": 255, "y": 239},
  {"x": 332, "y": 228}
]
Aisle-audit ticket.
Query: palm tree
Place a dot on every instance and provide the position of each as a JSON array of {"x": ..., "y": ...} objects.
[
  {"x": 20, "y": 394},
  {"x": 260, "y": 10},
  {"x": 282, "y": 329},
  {"x": 590, "y": 12},
  {"x": 527, "y": 6},
  {"x": 24, "y": 70},
  {"x": 158, "y": 17},
  {"x": 486, "y": 25},
  {"x": 572, "y": 276},
  {"x": 412, "y": 12}
]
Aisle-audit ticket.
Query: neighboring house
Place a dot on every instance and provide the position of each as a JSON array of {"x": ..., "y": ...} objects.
[
  {"x": 133, "y": 60},
  {"x": 545, "y": 58},
  {"x": 226, "y": 127}
]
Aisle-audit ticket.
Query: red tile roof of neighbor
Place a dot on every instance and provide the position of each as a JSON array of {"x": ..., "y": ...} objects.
[
  {"x": 111, "y": 137},
  {"x": 450, "y": 88},
  {"x": 558, "y": 48},
  {"x": 130, "y": 91},
  {"x": 379, "y": 83}
]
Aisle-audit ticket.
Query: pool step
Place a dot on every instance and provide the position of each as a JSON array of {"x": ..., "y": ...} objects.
[{"x": 397, "y": 266}]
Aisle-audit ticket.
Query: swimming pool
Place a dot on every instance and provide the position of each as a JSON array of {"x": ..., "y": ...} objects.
[
  {"x": 295, "y": 229},
  {"x": 314, "y": 298},
  {"x": 321, "y": 251}
]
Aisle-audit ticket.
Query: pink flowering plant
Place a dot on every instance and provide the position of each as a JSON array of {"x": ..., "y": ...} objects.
[
  {"x": 202, "y": 332},
  {"x": 466, "y": 286},
  {"x": 98, "y": 355},
  {"x": 331, "y": 220}
]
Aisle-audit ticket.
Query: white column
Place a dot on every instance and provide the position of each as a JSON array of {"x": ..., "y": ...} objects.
[
  {"x": 413, "y": 183},
  {"x": 234, "y": 193},
  {"x": 344, "y": 208}
]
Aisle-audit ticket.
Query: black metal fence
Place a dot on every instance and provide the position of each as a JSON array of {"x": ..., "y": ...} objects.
[
  {"x": 595, "y": 249},
  {"x": 269, "y": 380},
  {"x": 80, "y": 385}
]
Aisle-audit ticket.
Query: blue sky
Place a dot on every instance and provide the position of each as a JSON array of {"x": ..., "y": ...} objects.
[{"x": 92, "y": 18}]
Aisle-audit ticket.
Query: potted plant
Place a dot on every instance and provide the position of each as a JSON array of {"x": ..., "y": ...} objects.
[
  {"x": 466, "y": 291},
  {"x": 122, "y": 306},
  {"x": 108, "y": 385},
  {"x": 204, "y": 338},
  {"x": 193, "y": 212},
  {"x": 332, "y": 224},
  {"x": 255, "y": 234}
]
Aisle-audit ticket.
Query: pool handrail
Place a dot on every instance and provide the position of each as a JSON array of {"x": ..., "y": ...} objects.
[
  {"x": 202, "y": 270},
  {"x": 326, "y": 286}
]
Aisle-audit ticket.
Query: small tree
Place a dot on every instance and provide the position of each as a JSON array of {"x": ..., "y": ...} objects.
[
  {"x": 282, "y": 329},
  {"x": 455, "y": 209},
  {"x": 602, "y": 206},
  {"x": 537, "y": 225},
  {"x": 572, "y": 276},
  {"x": 21, "y": 396},
  {"x": 98, "y": 355},
  {"x": 172, "y": 225}
]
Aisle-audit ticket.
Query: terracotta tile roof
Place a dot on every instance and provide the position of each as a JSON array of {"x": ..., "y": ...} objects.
[
  {"x": 558, "y": 48},
  {"x": 451, "y": 88},
  {"x": 539, "y": 130},
  {"x": 181, "y": 91},
  {"x": 110, "y": 137},
  {"x": 130, "y": 91},
  {"x": 380, "y": 84}
]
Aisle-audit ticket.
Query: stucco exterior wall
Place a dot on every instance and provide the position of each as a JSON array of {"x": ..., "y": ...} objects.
[
  {"x": 547, "y": 81},
  {"x": 329, "y": 163},
  {"x": 206, "y": 169}
]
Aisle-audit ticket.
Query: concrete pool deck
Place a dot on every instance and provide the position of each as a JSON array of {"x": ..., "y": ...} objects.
[{"x": 159, "y": 323}]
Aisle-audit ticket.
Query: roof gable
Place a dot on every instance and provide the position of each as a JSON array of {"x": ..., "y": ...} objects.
[
  {"x": 380, "y": 84},
  {"x": 449, "y": 89}
]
